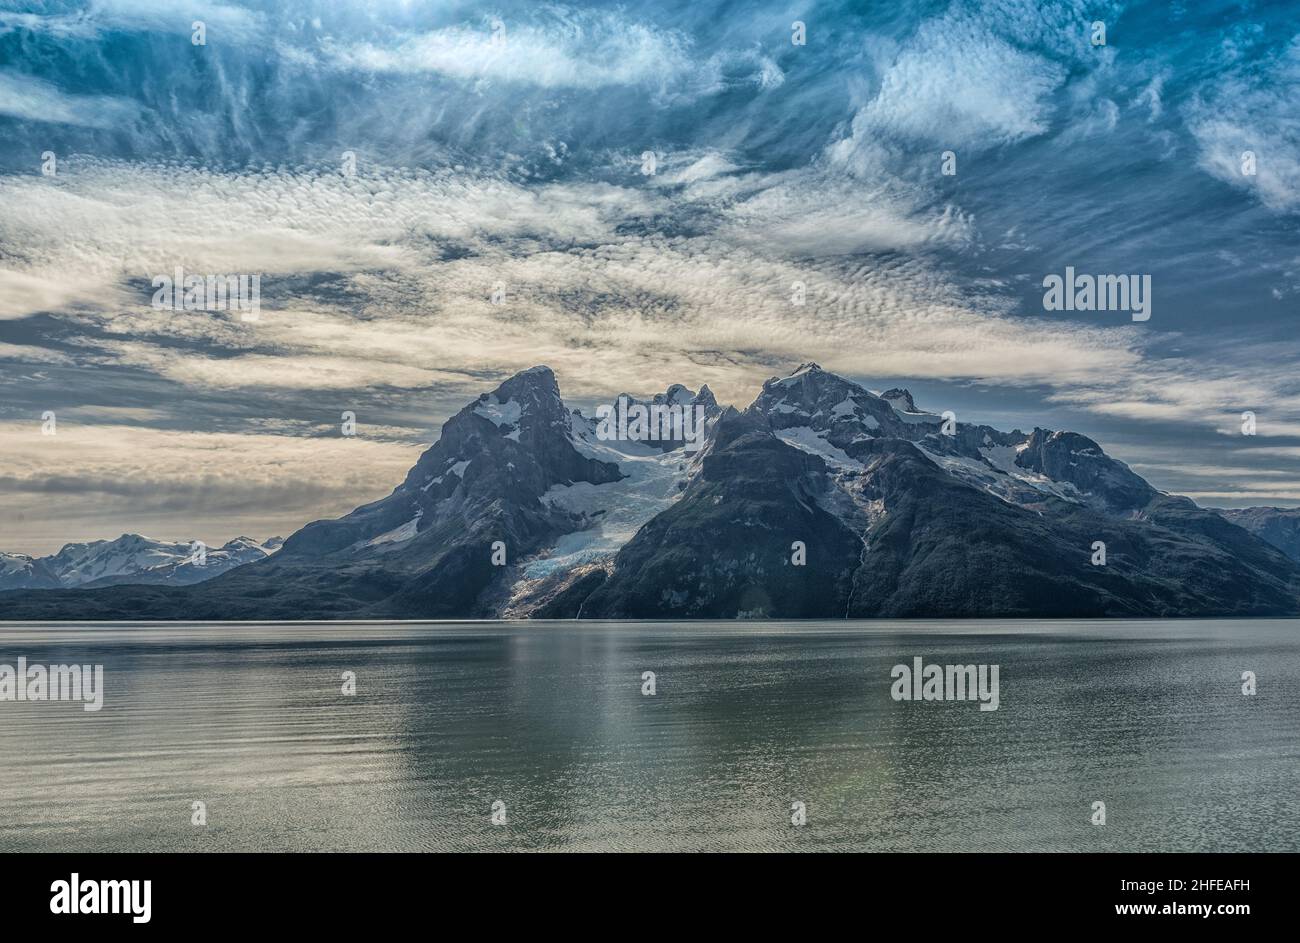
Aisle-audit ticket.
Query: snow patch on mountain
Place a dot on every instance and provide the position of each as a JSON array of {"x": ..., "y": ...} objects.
[
  {"x": 399, "y": 534},
  {"x": 616, "y": 510},
  {"x": 809, "y": 440},
  {"x": 1000, "y": 476},
  {"x": 917, "y": 417},
  {"x": 498, "y": 413},
  {"x": 14, "y": 562},
  {"x": 846, "y": 408}
]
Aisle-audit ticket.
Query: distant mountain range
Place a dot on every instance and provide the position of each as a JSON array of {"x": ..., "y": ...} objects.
[
  {"x": 1278, "y": 526},
  {"x": 820, "y": 500},
  {"x": 131, "y": 559}
]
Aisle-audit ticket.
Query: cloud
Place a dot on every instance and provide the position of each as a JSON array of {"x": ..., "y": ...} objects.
[
  {"x": 559, "y": 49},
  {"x": 1252, "y": 108},
  {"x": 410, "y": 261},
  {"x": 1150, "y": 97},
  {"x": 1247, "y": 497},
  {"x": 957, "y": 85},
  {"x": 30, "y": 99},
  {"x": 341, "y": 370},
  {"x": 29, "y": 353},
  {"x": 24, "y": 293},
  {"x": 586, "y": 52},
  {"x": 1205, "y": 398},
  {"x": 92, "y": 481},
  {"x": 174, "y": 16},
  {"x": 816, "y": 214}
]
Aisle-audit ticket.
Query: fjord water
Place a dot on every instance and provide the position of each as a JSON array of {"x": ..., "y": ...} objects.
[{"x": 549, "y": 719}]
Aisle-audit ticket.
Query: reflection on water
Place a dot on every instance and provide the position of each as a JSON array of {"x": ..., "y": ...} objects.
[{"x": 549, "y": 718}]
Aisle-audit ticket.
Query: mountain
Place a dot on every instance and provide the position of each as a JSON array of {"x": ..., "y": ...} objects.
[
  {"x": 83, "y": 564},
  {"x": 19, "y": 571},
  {"x": 187, "y": 568},
  {"x": 1278, "y": 526},
  {"x": 129, "y": 559},
  {"x": 821, "y": 499},
  {"x": 901, "y": 518}
]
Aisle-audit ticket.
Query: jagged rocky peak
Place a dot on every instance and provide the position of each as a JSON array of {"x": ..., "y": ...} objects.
[
  {"x": 1055, "y": 449},
  {"x": 900, "y": 396},
  {"x": 674, "y": 419},
  {"x": 494, "y": 459},
  {"x": 820, "y": 399},
  {"x": 1077, "y": 459},
  {"x": 807, "y": 373},
  {"x": 812, "y": 401},
  {"x": 677, "y": 394},
  {"x": 525, "y": 410},
  {"x": 519, "y": 433},
  {"x": 806, "y": 383},
  {"x": 528, "y": 400},
  {"x": 1074, "y": 442}
]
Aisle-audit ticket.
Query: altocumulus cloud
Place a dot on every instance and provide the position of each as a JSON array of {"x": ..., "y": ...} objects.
[{"x": 582, "y": 266}]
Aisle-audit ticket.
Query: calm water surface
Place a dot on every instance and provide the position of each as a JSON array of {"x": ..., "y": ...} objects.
[{"x": 549, "y": 718}]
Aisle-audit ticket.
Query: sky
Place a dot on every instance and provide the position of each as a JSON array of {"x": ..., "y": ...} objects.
[{"x": 385, "y": 166}]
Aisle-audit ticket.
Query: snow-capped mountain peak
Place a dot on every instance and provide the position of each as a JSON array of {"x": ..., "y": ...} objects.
[{"x": 130, "y": 558}]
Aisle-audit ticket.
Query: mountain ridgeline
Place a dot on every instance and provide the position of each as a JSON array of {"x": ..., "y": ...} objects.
[
  {"x": 821, "y": 499},
  {"x": 130, "y": 559}
]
